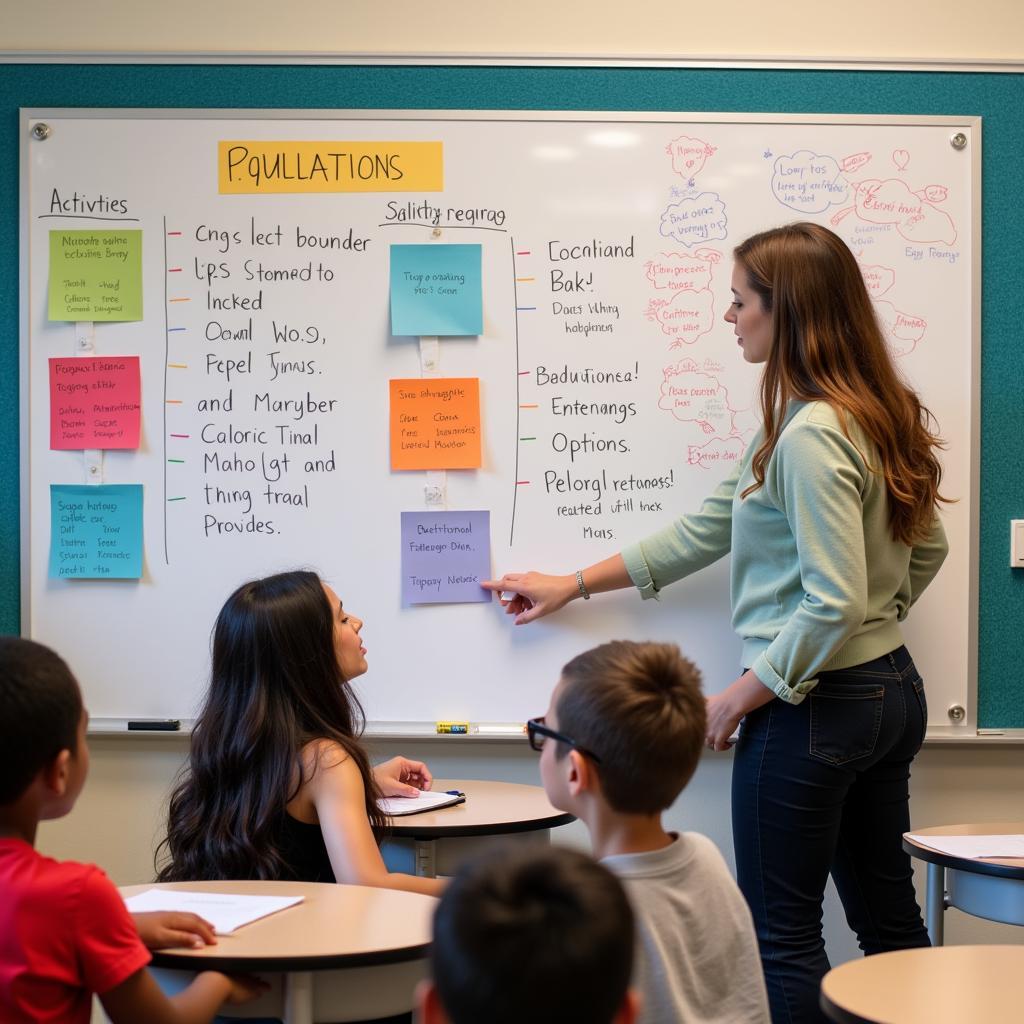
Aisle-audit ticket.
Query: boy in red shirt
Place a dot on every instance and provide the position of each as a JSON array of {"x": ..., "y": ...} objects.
[{"x": 64, "y": 929}]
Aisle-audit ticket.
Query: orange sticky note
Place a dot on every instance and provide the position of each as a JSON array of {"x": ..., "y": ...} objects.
[{"x": 435, "y": 423}]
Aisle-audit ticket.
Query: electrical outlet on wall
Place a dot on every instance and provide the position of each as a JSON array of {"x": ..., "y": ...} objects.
[{"x": 1017, "y": 543}]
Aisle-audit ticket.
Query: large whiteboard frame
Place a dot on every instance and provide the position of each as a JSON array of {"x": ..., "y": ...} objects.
[{"x": 966, "y": 729}]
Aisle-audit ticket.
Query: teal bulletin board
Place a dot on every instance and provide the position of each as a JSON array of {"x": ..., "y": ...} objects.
[{"x": 995, "y": 98}]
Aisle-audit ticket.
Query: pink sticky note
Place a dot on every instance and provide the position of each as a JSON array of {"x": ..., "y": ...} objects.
[{"x": 95, "y": 402}]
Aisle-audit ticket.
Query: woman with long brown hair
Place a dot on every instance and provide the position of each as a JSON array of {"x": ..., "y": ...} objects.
[
  {"x": 278, "y": 784},
  {"x": 830, "y": 519}
]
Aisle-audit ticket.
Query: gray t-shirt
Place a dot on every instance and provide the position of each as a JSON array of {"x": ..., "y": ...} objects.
[{"x": 696, "y": 958}]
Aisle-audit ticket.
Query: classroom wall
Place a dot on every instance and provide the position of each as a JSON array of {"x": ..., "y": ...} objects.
[
  {"x": 121, "y": 813},
  {"x": 872, "y": 29}
]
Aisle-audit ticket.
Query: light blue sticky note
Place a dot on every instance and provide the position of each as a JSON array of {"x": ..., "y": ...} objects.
[
  {"x": 436, "y": 290},
  {"x": 96, "y": 532}
]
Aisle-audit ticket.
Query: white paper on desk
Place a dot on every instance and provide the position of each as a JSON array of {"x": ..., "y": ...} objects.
[
  {"x": 973, "y": 846},
  {"x": 225, "y": 911},
  {"x": 396, "y": 806}
]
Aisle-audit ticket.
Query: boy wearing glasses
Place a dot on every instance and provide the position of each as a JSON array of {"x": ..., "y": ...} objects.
[{"x": 622, "y": 737}]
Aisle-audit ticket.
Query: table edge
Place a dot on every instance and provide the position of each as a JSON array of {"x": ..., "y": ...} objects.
[
  {"x": 405, "y": 828},
  {"x": 179, "y": 960},
  {"x": 968, "y": 864}
]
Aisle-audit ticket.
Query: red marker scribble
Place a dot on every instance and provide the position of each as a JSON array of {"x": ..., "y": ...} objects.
[
  {"x": 689, "y": 155},
  {"x": 854, "y": 161},
  {"x": 890, "y": 201}
]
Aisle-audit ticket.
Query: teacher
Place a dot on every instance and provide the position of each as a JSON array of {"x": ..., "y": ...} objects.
[{"x": 830, "y": 517}]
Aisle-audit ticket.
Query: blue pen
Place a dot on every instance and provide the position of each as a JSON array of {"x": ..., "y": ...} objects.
[{"x": 454, "y": 792}]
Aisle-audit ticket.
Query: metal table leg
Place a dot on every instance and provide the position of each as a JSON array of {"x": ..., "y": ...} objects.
[{"x": 935, "y": 907}]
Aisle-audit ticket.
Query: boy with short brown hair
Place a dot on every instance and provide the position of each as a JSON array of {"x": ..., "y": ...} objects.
[{"x": 621, "y": 738}]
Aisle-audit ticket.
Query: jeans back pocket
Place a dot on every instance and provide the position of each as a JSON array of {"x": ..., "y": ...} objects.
[{"x": 846, "y": 717}]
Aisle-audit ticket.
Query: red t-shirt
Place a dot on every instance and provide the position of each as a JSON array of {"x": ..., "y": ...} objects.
[{"x": 64, "y": 934}]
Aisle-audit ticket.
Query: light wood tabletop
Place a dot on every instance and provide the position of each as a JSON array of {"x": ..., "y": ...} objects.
[
  {"x": 490, "y": 809},
  {"x": 1004, "y": 867},
  {"x": 346, "y": 952},
  {"x": 335, "y": 926},
  {"x": 940, "y": 985}
]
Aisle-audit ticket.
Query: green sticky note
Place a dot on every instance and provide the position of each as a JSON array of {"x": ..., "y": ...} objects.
[{"x": 96, "y": 275}]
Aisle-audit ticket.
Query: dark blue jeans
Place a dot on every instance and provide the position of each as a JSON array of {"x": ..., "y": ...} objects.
[{"x": 823, "y": 787}]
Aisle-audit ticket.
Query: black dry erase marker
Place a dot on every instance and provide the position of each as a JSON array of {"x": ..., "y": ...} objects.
[{"x": 154, "y": 725}]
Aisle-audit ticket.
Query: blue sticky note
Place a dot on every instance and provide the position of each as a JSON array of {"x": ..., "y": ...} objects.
[
  {"x": 96, "y": 532},
  {"x": 436, "y": 290},
  {"x": 445, "y": 555}
]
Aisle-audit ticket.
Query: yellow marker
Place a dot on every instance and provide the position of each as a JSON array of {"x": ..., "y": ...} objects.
[{"x": 452, "y": 728}]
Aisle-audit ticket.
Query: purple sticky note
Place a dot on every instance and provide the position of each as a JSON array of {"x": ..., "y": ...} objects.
[{"x": 445, "y": 555}]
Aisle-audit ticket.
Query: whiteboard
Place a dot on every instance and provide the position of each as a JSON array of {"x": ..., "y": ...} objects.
[{"x": 613, "y": 396}]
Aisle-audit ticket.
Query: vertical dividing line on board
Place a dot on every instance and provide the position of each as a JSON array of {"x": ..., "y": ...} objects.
[
  {"x": 167, "y": 356},
  {"x": 515, "y": 480}
]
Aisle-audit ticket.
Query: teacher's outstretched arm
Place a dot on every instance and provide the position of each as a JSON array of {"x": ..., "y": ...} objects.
[{"x": 532, "y": 595}]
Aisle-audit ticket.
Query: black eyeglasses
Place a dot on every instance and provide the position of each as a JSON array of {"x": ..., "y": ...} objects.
[{"x": 537, "y": 732}]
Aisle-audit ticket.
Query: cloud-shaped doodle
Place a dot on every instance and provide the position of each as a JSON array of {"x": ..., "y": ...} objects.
[
  {"x": 903, "y": 330},
  {"x": 808, "y": 182},
  {"x": 696, "y": 220},
  {"x": 688, "y": 155},
  {"x": 891, "y": 202},
  {"x": 695, "y": 397},
  {"x": 719, "y": 449},
  {"x": 685, "y": 317},
  {"x": 878, "y": 279},
  {"x": 679, "y": 272}
]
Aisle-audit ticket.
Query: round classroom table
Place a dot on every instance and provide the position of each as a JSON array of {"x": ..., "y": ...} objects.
[
  {"x": 992, "y": 888},
  {"x": 438, "y": 841},
  {"x": 346, "y": 952},
  {"x": 940, "y": 985}
]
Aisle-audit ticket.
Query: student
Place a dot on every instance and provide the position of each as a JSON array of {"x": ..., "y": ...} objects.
[
  {"x": 64, "y": 929},
  {"x": 536, "y": 934},
  {"x": 830, "y": 518},
  {"x": 277, "y": 784},
  {"x": 621, "y": 738}
]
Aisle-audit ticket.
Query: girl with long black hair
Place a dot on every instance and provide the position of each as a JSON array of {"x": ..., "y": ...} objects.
[{"x": 278, "y": 784}]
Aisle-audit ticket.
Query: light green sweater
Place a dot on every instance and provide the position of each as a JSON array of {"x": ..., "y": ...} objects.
[{"x": 817, "y": 583}]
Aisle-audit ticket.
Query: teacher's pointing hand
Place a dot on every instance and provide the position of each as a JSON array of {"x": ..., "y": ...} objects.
[{"x": 532, "y": 595}]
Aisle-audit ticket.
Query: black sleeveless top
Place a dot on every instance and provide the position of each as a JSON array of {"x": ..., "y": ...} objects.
[{"x": 304, "y": 852}]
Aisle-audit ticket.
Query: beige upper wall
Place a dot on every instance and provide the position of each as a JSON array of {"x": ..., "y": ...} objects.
[{"x": 886, "y": 30}]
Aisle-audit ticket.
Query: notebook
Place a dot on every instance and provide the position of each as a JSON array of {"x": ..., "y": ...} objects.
[
  {"x": 224, "y": 911},
  {"x": 397, "y": 806}
]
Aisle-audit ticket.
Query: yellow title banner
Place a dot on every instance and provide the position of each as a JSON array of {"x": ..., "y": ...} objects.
[{"x": 268, "y": 167}]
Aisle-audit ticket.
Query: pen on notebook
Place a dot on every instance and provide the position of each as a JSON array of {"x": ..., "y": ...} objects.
[
  {"x": 454, "y": 792},
  {"x": 154, "y": 724}
]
